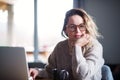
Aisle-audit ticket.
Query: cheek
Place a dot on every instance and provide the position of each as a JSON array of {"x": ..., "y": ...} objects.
[
  {"x": 84, "y": 32},
  {"x": 69, "y": 33}
]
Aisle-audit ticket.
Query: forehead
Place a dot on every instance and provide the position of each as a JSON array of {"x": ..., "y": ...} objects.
[{"x": 75, "y": 19}]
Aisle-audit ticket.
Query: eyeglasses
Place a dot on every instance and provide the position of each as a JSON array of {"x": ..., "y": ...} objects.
[{"x": 73, "y": 27}]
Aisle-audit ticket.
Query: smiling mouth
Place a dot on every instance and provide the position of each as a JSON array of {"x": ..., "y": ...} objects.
[{"x": 77, "y": 36}]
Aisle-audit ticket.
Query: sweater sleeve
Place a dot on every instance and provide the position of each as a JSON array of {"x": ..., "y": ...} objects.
[
  {"x": 47, "y": 71},
  {"x": 88, "y": 65}
]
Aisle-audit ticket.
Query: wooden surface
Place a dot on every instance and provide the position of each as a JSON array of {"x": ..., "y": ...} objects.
[{"x": 43, "y": 79}]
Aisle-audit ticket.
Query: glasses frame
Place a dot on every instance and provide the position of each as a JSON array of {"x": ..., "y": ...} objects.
[{"x": 73, "y": 27}]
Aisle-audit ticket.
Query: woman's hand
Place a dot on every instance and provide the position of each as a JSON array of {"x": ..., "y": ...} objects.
[
  {"x": 83, "y": 40},
  {"x": 33, "y": 73}
]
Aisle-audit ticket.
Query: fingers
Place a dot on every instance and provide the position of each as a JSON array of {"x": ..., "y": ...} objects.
[
  {"x": 33, "y": 73},
  {"x": 83, "y": 40}
]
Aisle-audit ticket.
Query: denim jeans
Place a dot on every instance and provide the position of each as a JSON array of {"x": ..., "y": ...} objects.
[{"x": 106, "y": 73}]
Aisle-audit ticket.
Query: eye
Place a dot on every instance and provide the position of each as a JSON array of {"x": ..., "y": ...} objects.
[
  {"x": 71, "y": 26},
  {"x": 81, "y": 25}
]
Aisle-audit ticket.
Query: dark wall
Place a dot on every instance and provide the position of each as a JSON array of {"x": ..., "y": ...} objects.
[{"x": 107, "y": 16}]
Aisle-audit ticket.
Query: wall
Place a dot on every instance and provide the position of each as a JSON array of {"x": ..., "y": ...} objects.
[{"x": 107, "y": 16}]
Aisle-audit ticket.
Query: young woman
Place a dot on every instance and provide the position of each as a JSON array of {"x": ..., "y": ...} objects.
[{"x": 80, "y": 54}]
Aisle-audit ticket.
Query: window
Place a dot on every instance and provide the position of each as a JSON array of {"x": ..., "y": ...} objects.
[
  {"x": 50, "y": 18},
  {"x": 3, "y": 28}
]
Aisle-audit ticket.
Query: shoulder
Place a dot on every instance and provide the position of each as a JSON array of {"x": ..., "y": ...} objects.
[
  {"x": 61, "y": 47},
  {"x": 95, "y": 45},
  {"x": 62, "y": 43},
  {"x": 96, "y": 50}
]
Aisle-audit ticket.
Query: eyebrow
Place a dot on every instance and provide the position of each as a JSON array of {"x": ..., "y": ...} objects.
[{"x": 79, "y": 24}]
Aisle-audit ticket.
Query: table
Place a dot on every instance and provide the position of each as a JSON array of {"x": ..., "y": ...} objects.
[{"x": 43, "y": 79}]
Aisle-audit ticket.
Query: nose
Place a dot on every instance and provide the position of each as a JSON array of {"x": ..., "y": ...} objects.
[{"x": 77, "y": 29}]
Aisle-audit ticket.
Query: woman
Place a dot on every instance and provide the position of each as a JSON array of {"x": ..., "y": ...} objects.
[{"x": 80, "y": 54}]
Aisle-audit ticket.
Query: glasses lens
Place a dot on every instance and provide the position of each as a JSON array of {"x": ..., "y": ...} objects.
[
  {"x": 82, "y": 27},
  {"x": 74, "y": 27}
]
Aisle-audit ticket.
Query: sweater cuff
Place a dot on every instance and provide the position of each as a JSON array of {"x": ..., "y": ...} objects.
[
  {"x": 42, "y": 73},
  {"x": 79, "y": 54}
]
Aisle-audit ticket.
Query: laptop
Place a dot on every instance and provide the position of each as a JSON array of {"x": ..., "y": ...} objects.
[{"x": 13, "y": 64}]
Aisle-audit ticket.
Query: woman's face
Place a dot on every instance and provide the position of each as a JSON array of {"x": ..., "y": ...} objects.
[{"x": 75, "y": 27}]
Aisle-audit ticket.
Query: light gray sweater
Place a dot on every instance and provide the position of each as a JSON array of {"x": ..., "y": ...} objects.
[{"x": 79, "y": 66}]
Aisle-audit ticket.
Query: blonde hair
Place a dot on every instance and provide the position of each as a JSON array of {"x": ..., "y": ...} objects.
[{"x": 91, "y": 27}]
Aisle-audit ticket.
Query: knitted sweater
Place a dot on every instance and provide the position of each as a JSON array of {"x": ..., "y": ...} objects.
[{"x": 79, "y": 66}]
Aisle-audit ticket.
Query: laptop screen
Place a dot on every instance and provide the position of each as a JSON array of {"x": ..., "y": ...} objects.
[{"x": 13, "y": 64}]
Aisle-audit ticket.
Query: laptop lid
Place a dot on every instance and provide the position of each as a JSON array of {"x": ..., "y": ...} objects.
[{"x": 13, "y": 64}]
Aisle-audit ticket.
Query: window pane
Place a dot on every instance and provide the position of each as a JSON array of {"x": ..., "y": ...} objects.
[
  {"x": 50, "y": 21},
  {"x": 23, "y": 24},
  {"x": 3, "y": 28}
]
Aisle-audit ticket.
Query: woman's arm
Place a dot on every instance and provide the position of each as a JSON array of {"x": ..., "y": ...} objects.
[{"x": 90, "y": 63}]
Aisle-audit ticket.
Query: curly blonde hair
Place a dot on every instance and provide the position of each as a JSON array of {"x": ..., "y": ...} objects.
[{"x": 91, "y": 27}]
